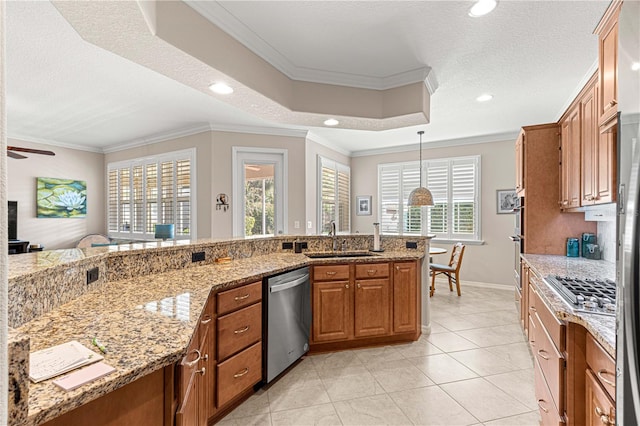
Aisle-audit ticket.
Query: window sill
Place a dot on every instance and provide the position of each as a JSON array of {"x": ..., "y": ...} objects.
[{"x": 466, "y": 242}]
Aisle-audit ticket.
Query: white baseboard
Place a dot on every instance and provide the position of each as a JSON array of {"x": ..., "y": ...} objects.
[
  {"x": 426, "y": 329},
  {"x": 478, "y": 284}
]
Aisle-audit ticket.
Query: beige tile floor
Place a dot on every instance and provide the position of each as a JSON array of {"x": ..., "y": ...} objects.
[{"x": 475, "y": 368}]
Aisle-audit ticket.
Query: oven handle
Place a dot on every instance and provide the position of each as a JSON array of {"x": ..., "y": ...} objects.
[
  {"x": 285, "y": 286},
  {"x": 515, "y": 238}
]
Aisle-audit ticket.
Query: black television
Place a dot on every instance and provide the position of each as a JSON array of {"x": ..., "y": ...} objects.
[{"x": 13, "y": 220}]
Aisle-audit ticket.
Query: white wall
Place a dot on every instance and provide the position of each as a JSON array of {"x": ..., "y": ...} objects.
[
  {"x": 491, "y": 262},
  {"x": 67, "y": 163},
  {"x": 313, "y": 150}
]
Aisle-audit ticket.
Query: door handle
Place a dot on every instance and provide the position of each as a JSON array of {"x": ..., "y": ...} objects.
[{"x": 285, "y": 286}]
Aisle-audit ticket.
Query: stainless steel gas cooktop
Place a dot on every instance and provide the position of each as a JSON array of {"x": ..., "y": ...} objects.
[{"x": 595, "y": 296}]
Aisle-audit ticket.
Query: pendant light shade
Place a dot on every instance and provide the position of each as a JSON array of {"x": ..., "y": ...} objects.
[{"x": 420, "y": 196}]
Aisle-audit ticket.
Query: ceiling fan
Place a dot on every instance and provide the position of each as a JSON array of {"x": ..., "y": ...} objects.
[{"x": 12, "y": 154}]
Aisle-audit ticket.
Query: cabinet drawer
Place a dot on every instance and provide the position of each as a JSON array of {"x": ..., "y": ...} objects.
[
  {"x": 372, "y": 270},
  {"x": 600, "y": 409},
  {"x": 553, "y": 326},
  {"x": 239, "y": 329},
  {"x": 603, "y": 366},
  {"x": 239, "y": 373},
  {"x": 239, "y": 297},
  {"x": 550, "y": 361},
  {"x": 331, "y": 272},
  {"x": 548, "y": 413}
]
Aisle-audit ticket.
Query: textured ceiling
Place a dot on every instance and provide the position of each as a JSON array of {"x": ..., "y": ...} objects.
[{"x": 531, "y": 55}]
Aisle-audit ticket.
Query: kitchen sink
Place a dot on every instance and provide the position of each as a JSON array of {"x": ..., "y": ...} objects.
[{"x": 324, "y": 255}]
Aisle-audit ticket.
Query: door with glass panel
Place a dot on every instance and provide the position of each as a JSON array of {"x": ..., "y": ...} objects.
[{"x": 259, "y": 193}]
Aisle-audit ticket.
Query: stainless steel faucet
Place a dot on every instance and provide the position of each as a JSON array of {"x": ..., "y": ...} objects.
[{"x": 332, "y": 233}]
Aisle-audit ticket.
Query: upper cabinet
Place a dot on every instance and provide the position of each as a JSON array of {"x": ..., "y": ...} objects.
[
  {"x": 607, "y": 31},
  {"x": 570, "y": 137},
  {"x": 520, "y": 164}
]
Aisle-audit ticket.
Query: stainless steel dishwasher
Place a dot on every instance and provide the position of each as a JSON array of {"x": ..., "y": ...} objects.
[{"x": 288, "y": 320}]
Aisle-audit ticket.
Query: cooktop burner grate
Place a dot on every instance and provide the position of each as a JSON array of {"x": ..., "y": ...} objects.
[{"x": 587, "y": 295}]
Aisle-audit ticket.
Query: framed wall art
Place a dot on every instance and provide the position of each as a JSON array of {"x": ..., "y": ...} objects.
[
  {"x": 61, "y": 198},
  {"x": 363, "y": 205},
  {"x": 506, "y": 200}
]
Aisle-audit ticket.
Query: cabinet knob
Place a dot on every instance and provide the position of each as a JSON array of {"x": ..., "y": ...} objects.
[
  {"x": 358, "y": 285},
  {"x": 346, "y": 286},
  {"x": 202, "y": 371},
  {"x": 604, "y": 418},
  {"x": 205, "y": 357},
  {"x": 613, "y": 102}
]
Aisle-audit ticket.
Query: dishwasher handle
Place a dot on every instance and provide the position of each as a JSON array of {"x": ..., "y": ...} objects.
[{"x": 285, "y": 286}]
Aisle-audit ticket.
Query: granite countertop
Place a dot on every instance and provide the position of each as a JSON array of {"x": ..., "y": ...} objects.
[
  {"x": 602, "y": 327},
  {"x": 146, "y": 322}
]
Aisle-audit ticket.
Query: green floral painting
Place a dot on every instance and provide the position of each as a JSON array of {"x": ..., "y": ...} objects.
[{"x": 61, "y": 197}]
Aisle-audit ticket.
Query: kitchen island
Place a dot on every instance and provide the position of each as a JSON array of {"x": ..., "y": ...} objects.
[{"x": 145, "y": 321}]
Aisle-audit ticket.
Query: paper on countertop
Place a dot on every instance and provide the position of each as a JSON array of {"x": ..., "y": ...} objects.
[
  {"x": 50, "y": 362},
  {"x": 85, "y": 375}
]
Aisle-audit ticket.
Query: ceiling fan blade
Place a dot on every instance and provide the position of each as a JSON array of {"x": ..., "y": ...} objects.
[
  {"x": 30, "y": 150},
  {"x": 14, "y": 155}
]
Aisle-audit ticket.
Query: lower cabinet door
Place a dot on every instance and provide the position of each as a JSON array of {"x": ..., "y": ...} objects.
[
  {"x": 331, "y": 311},
  {"x": 372, "y": 308},
  {"x": 405, "y": 297},
  {"x": 239, "y": 373},
  {"x": 187, "y": 414},
  {"x": 600, "y": 409}
]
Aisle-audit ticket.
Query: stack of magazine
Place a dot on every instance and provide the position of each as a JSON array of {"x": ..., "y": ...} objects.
[{"x": 56, "y": 360}]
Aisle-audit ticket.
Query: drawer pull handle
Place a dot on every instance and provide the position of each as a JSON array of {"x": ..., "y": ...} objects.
[
  {"x": 206, "y": 320},
  {"x": 195, "y": 361},
  {"x": 612, "y": 103},
  {"x": 241, "y": 330},
  {"x": 601, "y": 373},
  {"x": 532, "y": 309},
  {"x": 604, "y": 418},
  {"x": 246, "y": 296},
  {"x": 331, "y": 273},
  {"x": 543, "y": 354},
  {"x": 371, "y": 271},
  {"x": 202, "y": 371},
  {"x": 540, "y": 401},
  {"x": 241, "y": 373}
]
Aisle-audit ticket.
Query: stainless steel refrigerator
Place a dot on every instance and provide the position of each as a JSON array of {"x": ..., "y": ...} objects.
[{"x": 628, "y": 266}]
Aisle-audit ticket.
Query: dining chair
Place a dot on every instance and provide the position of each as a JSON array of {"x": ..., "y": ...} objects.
[{"x": 452, "y": 270}]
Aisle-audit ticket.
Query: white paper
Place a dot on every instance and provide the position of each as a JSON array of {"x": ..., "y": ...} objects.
[{"x": 57, "y": 360}]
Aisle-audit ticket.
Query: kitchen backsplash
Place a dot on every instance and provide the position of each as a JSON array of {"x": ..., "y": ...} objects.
[{"x": 607, "y": 240}]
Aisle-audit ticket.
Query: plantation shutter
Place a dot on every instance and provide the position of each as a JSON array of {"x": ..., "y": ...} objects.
[
  {"x": 113, "y": 201},
  {"x": 152, "y": 197},
  {"x": 138, "y": 199},
  {"x": 183, "y": 196},
  {"x": 167, "y": 190},
  {"x": 125, "y": 200},
  {"x": 335, "y": 192},
  {"x": 389, "y": 193},
  {"x": 412, "y": 215},
  {"x": 463, "y": 175},
  {"x": 438, "y": 184}
]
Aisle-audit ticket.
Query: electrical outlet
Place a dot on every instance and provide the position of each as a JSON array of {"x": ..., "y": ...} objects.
[
  {"x": 309, "y": 225},
  {"x": 296, "y": 224},
  {"x": 287, "y": 246},
  {"x": 92, "y": 275},
  {"x": 412, "y": 245},
  {"x": 197, "y": 256}
]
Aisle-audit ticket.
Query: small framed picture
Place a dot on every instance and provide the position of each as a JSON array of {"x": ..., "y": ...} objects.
[
  {"x": 506, "y": 200},
  {"x": 363, "y": 205}
]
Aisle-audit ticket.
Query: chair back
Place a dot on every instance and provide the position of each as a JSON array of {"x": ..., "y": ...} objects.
[{"x": 456, "y": 256}]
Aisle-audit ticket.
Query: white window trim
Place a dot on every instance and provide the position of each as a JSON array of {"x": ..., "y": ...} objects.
[
  {"x": 282, "y": 203},
  {"x": 450, "y": 237},
  {"x": 189, "y": 154},
  {"x": 324, "y": 161}
]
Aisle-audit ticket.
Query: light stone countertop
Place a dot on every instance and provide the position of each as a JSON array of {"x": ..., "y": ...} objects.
[
  {"x": 602, "y": 327},
  {"x": 146, "y": 322}
]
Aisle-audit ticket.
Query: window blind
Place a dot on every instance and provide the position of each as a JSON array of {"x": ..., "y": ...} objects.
[{"x": 335, "y": 193}]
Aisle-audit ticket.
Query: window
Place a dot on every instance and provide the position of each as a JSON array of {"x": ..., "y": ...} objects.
[
  {"x": 334, "y": 183},
  {"x": 454, "y": 183},
  {"x": 146, "y": 191}
]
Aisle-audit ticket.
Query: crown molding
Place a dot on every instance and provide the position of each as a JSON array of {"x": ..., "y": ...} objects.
[
  {"x": 254, "y": 130},
  {"x": 494, "y": 137},
  {"x": 226, "y": 21},
  {"x": 312, "y": 137},
  {"x": 583, "y": 82},
  {"x": 158, "y": 137},
  {"x": 52, "y": 142}
]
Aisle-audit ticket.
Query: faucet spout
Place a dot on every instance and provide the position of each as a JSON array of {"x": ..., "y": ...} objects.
[{"x": 332, "y": 233}]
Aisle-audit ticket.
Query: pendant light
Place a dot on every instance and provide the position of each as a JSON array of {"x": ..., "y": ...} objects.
[{"x": 420, "y": 196}]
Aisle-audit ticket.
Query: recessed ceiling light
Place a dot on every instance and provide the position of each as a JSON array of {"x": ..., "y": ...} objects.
[
  {"x": 221, "y": 88},
  {"x": 482, "y": 7},
  {"x": 331, "y": 122},
  {"x": 635, "y": 66},
  {"x": 484, "y": 98}
]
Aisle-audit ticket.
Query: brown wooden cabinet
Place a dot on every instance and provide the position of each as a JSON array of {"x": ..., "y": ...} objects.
[
  {"x": 331, "y": 311},
  {"x": 545, "y": 228},
  {"x": 606, "y": 166},
  {"x": 405, "y": 297},
  {"x": 607, "y": 31},
  {"x": 570, "y": 167},
  {"x": 363, "y": 302},
  {"x": 589, "y": 142},
  {"x": 520, "y": 174},
  {"x": 600, "y": 385}
]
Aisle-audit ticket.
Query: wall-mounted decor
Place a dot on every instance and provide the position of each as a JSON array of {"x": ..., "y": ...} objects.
[
  {"x": 61, "y": 197},
  {"x": 506, "y": 200},
  {"x": 363, "y": 205},
  {"x": 222, "y": 202}
]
